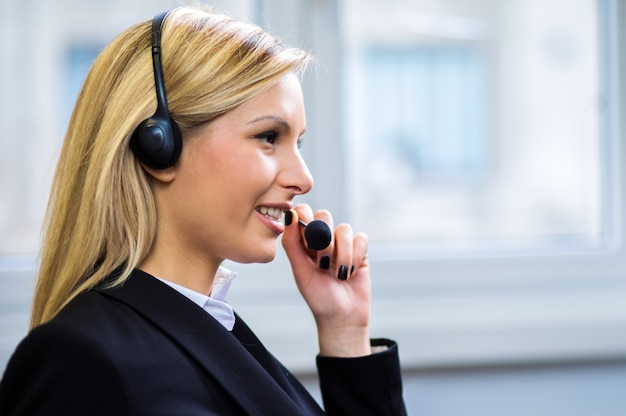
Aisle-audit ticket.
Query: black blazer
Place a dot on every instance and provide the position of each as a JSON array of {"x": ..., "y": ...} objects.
[{"x": 145, "y": 349}]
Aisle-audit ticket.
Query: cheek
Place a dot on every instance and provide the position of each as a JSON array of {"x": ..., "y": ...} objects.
[
  {"x": 244, "y": 169},
  {"x": 232, "y": 176},
  {"x": 208, "y": 162}
]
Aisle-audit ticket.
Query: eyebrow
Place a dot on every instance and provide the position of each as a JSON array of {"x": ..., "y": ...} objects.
[{"x": 278, "y": 119}]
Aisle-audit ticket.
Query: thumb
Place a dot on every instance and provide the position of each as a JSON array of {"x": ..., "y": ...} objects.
[{"x": 293, "y": 242}]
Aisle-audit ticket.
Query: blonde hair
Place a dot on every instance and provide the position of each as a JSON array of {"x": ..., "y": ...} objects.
[{"x": 101, "y": 217}]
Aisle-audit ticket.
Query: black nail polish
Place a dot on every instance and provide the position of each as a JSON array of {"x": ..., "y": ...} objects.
[
  {"x": 343, "y": 273},
  {"x": 288, "y": 217},
  {"x": 351, "y": 270},
  {"x": 325, "y": 263}
]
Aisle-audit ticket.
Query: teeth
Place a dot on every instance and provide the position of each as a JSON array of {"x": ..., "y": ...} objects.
[{"x": 274, "y": 213}]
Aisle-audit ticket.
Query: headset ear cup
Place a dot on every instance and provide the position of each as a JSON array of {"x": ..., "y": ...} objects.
[{"x": 157, "y": 142}]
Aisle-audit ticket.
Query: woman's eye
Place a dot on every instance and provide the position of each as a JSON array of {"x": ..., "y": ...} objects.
[
  {"x": 300, "y": 143},
  {"x": 268, "y": 137}
]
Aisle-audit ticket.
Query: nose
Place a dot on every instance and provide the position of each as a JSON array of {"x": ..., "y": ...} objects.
[{"x": 295, "y": 174}]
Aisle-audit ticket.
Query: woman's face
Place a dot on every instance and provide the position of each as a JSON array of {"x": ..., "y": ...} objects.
[{"x": 237, "y": 175}]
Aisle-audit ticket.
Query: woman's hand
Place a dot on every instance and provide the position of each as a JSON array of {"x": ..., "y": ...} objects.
[{"x": 335, "y": 282}]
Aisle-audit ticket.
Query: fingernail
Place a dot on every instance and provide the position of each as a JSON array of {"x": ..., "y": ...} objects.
[
  {"x": 325, "y": 263},
  {"x": 343, "y": 273},
  {"x": 351, "y": 270},
  {"x": 288, "y": 217}
]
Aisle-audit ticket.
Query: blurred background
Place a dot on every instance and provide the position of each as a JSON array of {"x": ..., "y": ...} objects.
[{"x": 479, "y": 143}]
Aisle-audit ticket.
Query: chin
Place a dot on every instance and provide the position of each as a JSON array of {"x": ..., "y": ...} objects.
[
  {"x": 254, "y": 259},
  {"x": 262, "y": 254}
]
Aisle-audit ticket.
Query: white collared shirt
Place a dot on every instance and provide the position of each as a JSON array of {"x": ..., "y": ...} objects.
[{"x": 214, "y": 304}]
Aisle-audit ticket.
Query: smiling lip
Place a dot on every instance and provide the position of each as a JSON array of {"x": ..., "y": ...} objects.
[{"x": 271, "y": 215}]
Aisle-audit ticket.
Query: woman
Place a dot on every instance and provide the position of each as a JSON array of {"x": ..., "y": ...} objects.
[{"x": 129, "y": 315}]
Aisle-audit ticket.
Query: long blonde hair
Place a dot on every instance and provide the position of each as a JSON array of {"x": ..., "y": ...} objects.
[{"x": 101, "y": 217}]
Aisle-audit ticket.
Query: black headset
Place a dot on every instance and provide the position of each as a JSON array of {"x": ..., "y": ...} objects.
[{"x": 157, "y": 141}]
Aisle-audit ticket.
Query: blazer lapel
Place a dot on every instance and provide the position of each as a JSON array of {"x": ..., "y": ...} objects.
[
  {"x": 207, "y": 341},
  {"x": 278, "y": 372}
]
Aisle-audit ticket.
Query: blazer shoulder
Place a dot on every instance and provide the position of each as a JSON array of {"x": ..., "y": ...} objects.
[{"x": 63, "y": 359}]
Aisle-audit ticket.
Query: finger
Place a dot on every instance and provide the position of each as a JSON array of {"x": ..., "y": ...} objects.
[
  {"x": 292, "y": 242},
  {"x": 305, "y": 213},
  {"x": 359, "y": 252},
  {"x": 343, "y": 251},
  {"x": 324, "y": 256}
]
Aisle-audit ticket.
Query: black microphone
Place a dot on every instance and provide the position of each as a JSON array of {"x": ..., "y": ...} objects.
[{"x": 317, "y": 234}]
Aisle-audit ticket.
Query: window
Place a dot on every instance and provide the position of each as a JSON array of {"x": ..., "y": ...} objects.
[
  {"x": 477, "y": 123},
  {"x": 423, "y": 143}
]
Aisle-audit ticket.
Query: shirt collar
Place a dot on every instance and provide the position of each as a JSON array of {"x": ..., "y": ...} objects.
[
  {"x": 215, "y": 304},
  {"x": 221, "y": 283}
]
